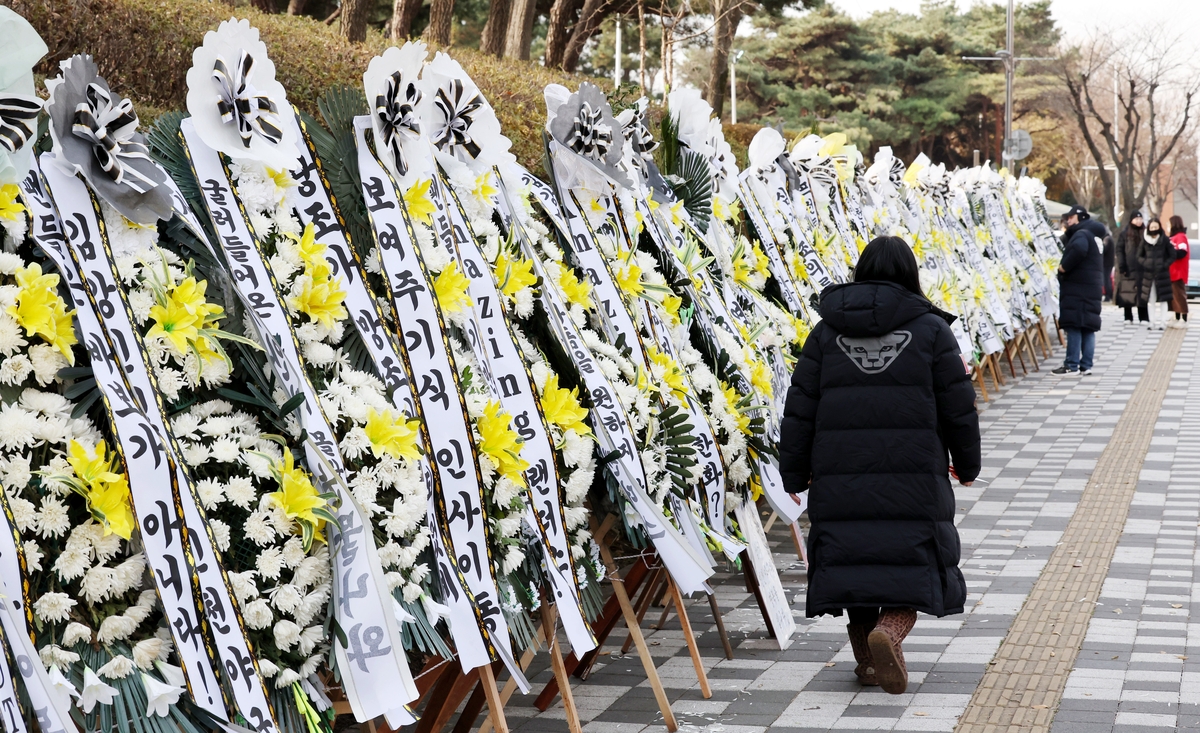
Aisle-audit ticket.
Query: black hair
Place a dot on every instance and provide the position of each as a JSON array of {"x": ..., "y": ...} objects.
[
  {"x": 1177, "y": 225},
  {"x": 889, "y": 259}
]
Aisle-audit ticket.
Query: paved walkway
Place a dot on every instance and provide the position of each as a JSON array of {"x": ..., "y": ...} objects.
[{"x": 1042, "y": 439}]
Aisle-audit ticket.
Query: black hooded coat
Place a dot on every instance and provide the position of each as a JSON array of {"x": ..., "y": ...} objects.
[
  {"x": 880, "y": 402},
  {"x": 1081, "y": 283}
]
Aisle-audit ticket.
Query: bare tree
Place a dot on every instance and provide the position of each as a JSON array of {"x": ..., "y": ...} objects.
[
  {"x": 354, "y": 20},
  {"x": 295, "y": 7},
  {"x": 562, "y": 18},
  {"x": 520, "y": 29},
  {"x": 404, "y": 12},
  {"x": 1156, "y": 99},
  {"x": 441, "y": 14},
  {"x": 496, "y": 29},
  {"x": 728, "y": 14}
]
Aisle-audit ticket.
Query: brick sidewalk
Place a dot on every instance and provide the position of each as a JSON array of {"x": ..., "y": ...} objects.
[{"x": 1042, "y": 438}]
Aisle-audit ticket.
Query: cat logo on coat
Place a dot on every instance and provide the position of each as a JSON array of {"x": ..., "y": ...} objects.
[{"x": 874, "y": 354}]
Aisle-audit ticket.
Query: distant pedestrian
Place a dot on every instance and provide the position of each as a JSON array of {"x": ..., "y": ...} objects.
[
  {"x": 1110, "y": 255},
  {"x": 1129, "y": 272},
  {"x": 1179, "y": 270},
  {"x": 1079, "y": 301},
  {"x": 880, "y": 407},
  {"x": 1156, "y": 256}
]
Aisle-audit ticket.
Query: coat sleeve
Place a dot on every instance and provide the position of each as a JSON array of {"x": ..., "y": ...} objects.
[
  {"x": 958, "y": 420},
  {"x": 799, "y": 424},
  {"x": 1075, "y": 252}
]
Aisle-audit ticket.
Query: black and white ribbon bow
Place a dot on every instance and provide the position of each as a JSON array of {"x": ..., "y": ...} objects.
[
  {"x": 18, "y": 121},
  {"x": 110, "y": 128},
  {"x": 590, "y": 136},
  {"x": 397, "y": 114},
  {"x": 458, "y": 113},
  {"x": 639, "y": 134},
  {"x": 240, "y": 103}
]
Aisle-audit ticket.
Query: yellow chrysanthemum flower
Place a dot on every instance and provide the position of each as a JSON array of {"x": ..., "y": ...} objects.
[
  {"x": 629, "y": 279},
  {"x": 297, "y": 496},
  {"x": 103, "y": 486},
  {"x": 392, "y": 434},
  {"x": 450, "y": 286},
  {"x": 760, "y": 378},
  {"x": 501, "y": 443},
  {"x": 321, "y": 301},
  {"x": 514, "y": 275},
  {"x": 673, "y": 375},
  {"x": 484, "y": 190},
  {"x": 672, "y": 304},
  {"x": 743, "y": 420},
  {"x": 418, "y": 201},
  {"x": 40, "y": 311},
  {"x": 11, "y": 207},
  {"x": 562, "y": 407},
  {"x": 576, "y": 291}
]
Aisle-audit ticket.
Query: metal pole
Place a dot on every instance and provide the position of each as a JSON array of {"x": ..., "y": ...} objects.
[
  {"x": 733, "y": 57},
  {"x": 1009, "y": 67},
  {"x": 617, "y": 71}
]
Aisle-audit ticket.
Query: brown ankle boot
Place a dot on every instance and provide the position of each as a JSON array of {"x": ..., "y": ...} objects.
[
  {"x": 884, "y": 644},
  {"x": 865, "y": 671}
]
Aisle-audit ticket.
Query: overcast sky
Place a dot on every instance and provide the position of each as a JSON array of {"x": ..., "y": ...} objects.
[{"x": 1076, "y": 17}]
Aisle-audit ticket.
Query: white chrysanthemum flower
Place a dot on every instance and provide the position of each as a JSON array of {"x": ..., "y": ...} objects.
[
  {"x": 240, "y": 492},
  {"x": 115, "y": 628},
  {"x": 286, "y": 598},
  {"x": 97, "y": 584},
  {"x": 308, "y": 573},
  {"x": 128, "y": 575},
  {"x": 55, "y": 656},
  {"x": 244, "y": 587},
  {"x": 259, "y": 529},
  {"x": 512, "y": 560},
  {"x": 257, "y": 614},
  {"x": 70, "y": 564},
  {"x": 393, "y": 580},
  {"x": 220, "y": 532},
  {"x": 226, "y": 450},
  {"x": 24, "y": 513},
  {"x": 76, "y": 633},
  {"x": 196, "y": 454},
  {"x": 119, "y": 667},
  {"x": 267, "y": 668},
  {"x": 412, "y": 592},
  {"x": 146, "y": 652},
  {"x": 15, "y": 473},
  {"x": 104, "y": 546},
  {"x": 210, "y": 492},
  {"x": 287, "y": 634},
  {"x": 185, "y": 425},
  {"x": 310, "y": 638},
  {"x": 269, "y": 563},
  {"x": 53, "y": 607},
  {"x": 15, "y": 369},
  {"x": 46, "y": 362},
  {"x": 293, "y": 552},
  {"x": 286, "y": 679}
]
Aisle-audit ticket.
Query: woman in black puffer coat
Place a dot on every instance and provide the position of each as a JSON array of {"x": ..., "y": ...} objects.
[
  {"x": 1155, "y": 256},
  {"x": 879, "y": 408}
]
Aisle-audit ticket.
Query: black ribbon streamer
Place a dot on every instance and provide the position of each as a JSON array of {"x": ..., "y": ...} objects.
[
  {"x": 396, "y": 110},
  {"x": 590, "y": 137},
  {"x": 18, "y": 121},
  {"x": 240, "y": 103},
  {"x": 110, "y": 129},
  {"x": 458, "y": 118}
]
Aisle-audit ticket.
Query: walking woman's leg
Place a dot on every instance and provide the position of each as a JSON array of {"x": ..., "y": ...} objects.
[
  {"x": 893, "y": 626},
  {"x": 862, "y": 622}
]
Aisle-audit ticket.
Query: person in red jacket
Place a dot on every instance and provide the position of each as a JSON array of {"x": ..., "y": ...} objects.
[{"x": 1179, "y": 271}]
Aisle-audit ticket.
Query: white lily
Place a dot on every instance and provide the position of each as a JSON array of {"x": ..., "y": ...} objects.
[
  {"x": 172, "y": 674},
  {"x": 160, "y": 696},
  {"x": 95, "y": 691},
  {"x": 61, "y": 688}
]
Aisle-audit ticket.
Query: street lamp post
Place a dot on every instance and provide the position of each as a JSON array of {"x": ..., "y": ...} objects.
[{"x": 733, "y": 59}]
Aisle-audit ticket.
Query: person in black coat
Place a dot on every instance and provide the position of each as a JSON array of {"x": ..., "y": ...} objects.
[
  {"x": 879, "y": 409},
  {"x": 1129, "y": 272},
  {"x": 1155, "y": 256},
  {"x": 1079, "y": 275},
  {"x": 1110, "y": 260}
]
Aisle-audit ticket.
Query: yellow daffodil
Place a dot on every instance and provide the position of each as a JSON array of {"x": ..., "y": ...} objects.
[
  {"x": 576, "y": 291},
  {"x": 723, "y": 210},
  {"x": 450, "y": 286},
  {"x": 282, "y": 179},
  {"x": 514, "y": 275},
  {"x": 298, "y": 498},
  {"x": 562, "y": 407},
  {"x": 176, "y": 324},
  {"x": 629, "y": 279},
  {"x": 676, "y": 210},
  {"x": 11, "y": 207},
  {"x": 103, "y": 486},
  {"x": 40, "y": 311},
  {"x": 312, "y": 254},
  {"x": 418, "y": 202},
  {"x": 671, "y": 304},
  {"x": 760, "y": 260},
  {"x": 501, "y": 443},
  {"x": 321, "y": 301},
  {"x": 392, "y": 434},
  {"x": 741, "y": 268},
  {"x": 760, "y": 378},
  {"x": 484, "y": 190},
  {"x": 743, "y": 420},
  {"x": 672, "y": 375}
]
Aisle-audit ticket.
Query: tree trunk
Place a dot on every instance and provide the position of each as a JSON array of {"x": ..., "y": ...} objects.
[
  {"x": 267, "y": 6},
  {"x": 496, "y": 28},
  {"x": 354, "y": 20},
  {"x": 641, "y": 8},
  {"x": 296, "y": 7},
  {"x": 562, "y": 15},
  {"x": 729, "y": 14},
  {"x": 588, "y": 25},
  {"x": 404, "y": 12},
  {"x": 520, "y": 29},
  {"x": 441, "y": 13}
]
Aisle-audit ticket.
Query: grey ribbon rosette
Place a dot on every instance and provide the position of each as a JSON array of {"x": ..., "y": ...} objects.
[
  {"x": 585, "y": 124},
  {"x": 641, "y": 141},
  {"x": 240, "y": 103},
  {"x": 95, "y": 132},
  {"x": 396, "y": 111},
  {"x": 18, "y": 120},
  {"x": 457, "y": 106}
]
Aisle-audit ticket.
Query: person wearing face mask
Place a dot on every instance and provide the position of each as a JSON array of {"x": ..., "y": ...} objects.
[
  {"x": 1155, "y": 255},
  {"x": 1129, "y": 273}
]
